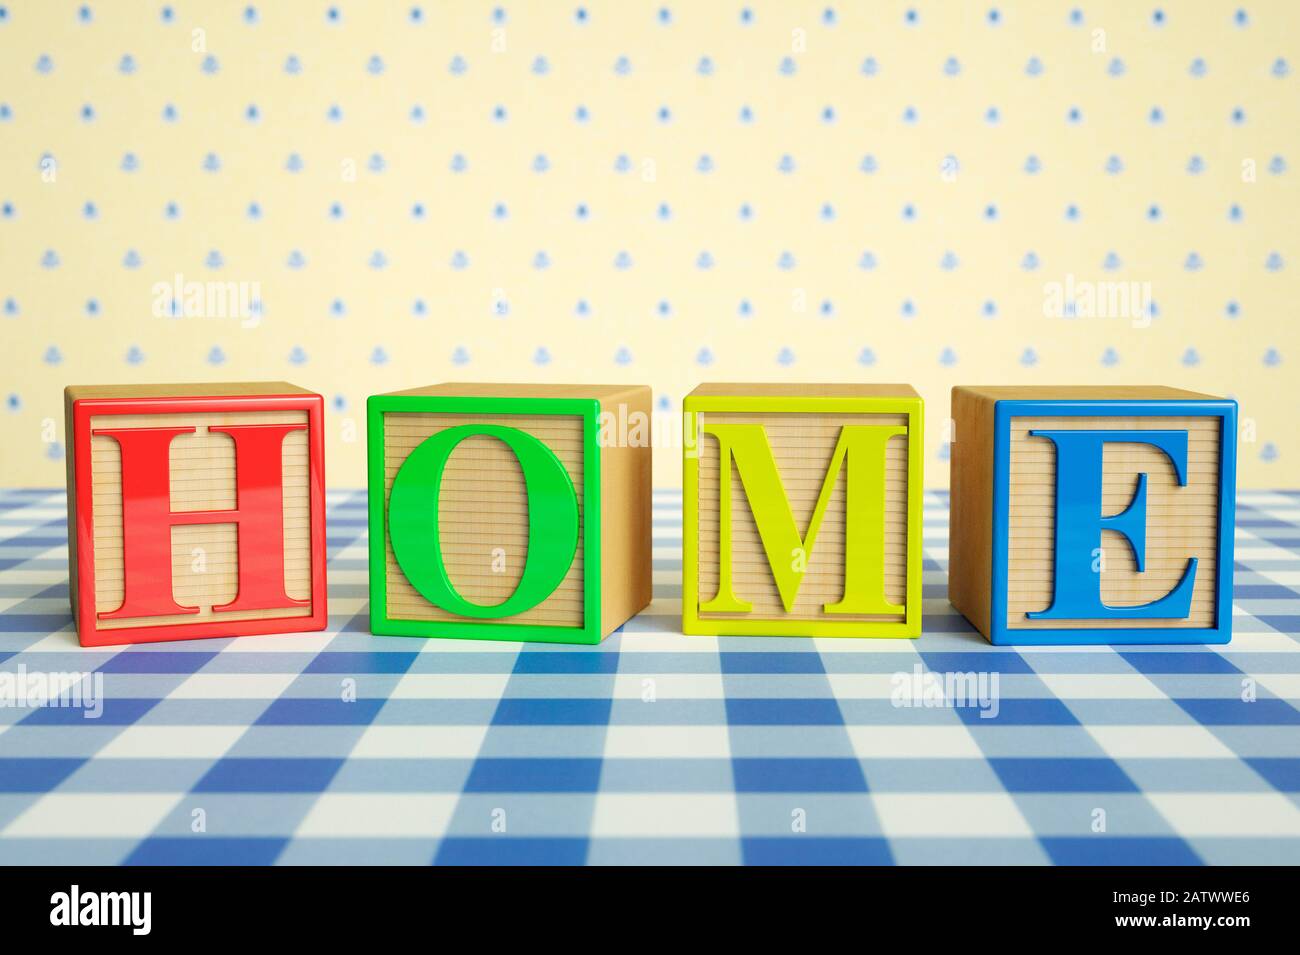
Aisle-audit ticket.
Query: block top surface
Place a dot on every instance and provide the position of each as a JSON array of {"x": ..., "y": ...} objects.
[
  {"x": 732, "y": 389},
  {"x": 218, "y": 389},
  {"x": 478, "y": 389},
  {"x": 1082, "y": 393}
]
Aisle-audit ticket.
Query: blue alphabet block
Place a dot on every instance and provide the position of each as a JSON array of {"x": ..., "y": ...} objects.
[{"x": 1093, "y": 515}]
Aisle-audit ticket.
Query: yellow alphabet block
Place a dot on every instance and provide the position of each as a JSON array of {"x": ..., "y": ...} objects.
[{"x": 802, "y": 510}]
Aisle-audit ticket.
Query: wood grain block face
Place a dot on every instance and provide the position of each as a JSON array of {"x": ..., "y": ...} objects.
[
  {"x": 1088, "y": 519},
  {"x": 803, "y": 447},
  {"x": 497, "y": 512},
  {"x": 195, "y": 515},
  {"x": 483, "y": 515},
  {"x": 1182, "y": 523},
  {"x": 777, "y": 549}
]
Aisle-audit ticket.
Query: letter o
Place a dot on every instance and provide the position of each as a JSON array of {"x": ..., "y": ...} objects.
[{"x": 413, "y": 507}]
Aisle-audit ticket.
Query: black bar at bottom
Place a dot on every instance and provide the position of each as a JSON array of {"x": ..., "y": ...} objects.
[{"x": 333, "y": 905}]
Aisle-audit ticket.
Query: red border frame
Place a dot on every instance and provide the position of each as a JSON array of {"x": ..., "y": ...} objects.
[{"x": 88, "y": 631}]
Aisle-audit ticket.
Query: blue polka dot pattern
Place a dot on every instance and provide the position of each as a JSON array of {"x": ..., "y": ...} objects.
[{"x": 662, "y": 191}]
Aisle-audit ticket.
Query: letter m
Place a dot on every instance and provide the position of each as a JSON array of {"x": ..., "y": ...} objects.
[{"x": 860, "y": 452}]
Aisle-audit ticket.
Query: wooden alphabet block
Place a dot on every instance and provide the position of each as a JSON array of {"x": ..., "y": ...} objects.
[
  {"x": 509, "y": 512},
  {"x": 1093, "y": 515},
  {"x": 195, "y": 511},
  {"x": 802, "y": 510}
]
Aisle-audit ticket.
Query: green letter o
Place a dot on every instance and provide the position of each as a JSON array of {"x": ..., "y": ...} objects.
[{"x": 552, "y": 520}]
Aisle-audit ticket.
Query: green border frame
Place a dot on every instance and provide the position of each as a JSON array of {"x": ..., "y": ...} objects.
[
  {"x": 588, "y": 409},
  {"x": 692, "y": 623}
]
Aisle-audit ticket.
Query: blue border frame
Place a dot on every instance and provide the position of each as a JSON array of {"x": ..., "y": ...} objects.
[{"x": 1005, "y": 410}]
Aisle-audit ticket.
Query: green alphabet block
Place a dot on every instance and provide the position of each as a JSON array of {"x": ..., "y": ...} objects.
[{"x": 509, "y": 512}]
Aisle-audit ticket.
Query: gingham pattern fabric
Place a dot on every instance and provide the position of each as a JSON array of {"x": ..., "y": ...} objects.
[{"x": 341, "y": 747}]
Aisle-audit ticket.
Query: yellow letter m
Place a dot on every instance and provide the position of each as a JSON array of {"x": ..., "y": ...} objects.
[{"x": 860, "y": 451}]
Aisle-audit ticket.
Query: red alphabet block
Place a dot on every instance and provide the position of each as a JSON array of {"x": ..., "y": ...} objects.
[{"x": 195, "y": 511}]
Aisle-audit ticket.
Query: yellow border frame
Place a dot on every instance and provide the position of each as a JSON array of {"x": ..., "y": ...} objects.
[{"x": 910, "y": 625}]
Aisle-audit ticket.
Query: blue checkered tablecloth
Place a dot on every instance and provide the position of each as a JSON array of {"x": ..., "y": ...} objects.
[{"x": 342, "y": 747}]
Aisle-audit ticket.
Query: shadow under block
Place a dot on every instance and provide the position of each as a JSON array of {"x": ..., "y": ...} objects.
[
  {"x": 802, "y": 510},
  {"x": 195, "y": 510},
  {"x": 1093, "y": 515},
  {"x": 509, "y": 512}
]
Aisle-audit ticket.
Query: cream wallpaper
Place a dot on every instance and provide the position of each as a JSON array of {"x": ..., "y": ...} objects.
[{"x": 360, "y": 197}]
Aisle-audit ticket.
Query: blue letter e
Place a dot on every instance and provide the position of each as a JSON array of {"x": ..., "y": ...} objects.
[{"x": 1077, "y": 591}]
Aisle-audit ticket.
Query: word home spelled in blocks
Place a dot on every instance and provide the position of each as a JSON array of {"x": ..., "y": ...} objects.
[
  {"x": 195, "y": 511},
  {"x": 802, "y": 510},
  {"x": 509, "y": 512},
  {"x": 1093, "y": 515}
]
